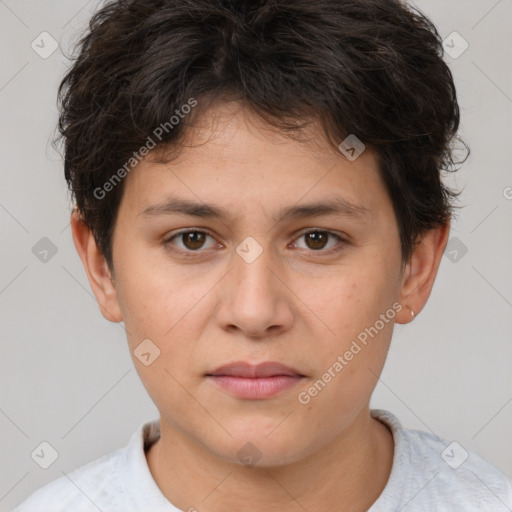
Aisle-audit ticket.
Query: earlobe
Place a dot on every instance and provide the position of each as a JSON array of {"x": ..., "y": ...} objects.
[
  {"x": 421, "y": 271},
  {"x": 96, "y": 268}
]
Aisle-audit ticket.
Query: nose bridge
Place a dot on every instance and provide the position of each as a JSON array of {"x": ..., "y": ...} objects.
[
  {"x": 252, "y": 263},
  {"x": 255, "y": 299}
]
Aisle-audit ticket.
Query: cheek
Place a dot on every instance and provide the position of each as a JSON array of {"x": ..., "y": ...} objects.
[
  {"x": 169, "y": 309},
  {"x": 350, "y": 355},
  {"x": 156, "y": 301},
  {"x": 350, "y": 309},
  {"x": 156, "y": 308},
  {"x": 353, "y": 298}
]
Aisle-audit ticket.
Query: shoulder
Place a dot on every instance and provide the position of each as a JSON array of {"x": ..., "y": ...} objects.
[
  {"x": 107, "y": 483},
  {"x": 430, "y": 473},
  {"x": 80, "y": 490}
]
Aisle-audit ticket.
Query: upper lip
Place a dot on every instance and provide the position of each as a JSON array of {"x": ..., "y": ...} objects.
[{"x": 265, "y": 369}]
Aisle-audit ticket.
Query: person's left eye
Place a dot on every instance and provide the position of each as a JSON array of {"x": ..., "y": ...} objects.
[{"x": 316, "y": 240}]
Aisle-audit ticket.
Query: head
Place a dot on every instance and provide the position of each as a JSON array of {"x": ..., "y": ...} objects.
[{"x": 242, "y": 108}]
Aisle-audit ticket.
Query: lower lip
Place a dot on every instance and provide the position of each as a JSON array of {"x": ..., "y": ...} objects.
[{"x": 258, "y": 388}]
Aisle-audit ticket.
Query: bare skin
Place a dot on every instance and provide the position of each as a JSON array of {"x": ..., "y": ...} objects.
[{"x": 299, "y": 302}]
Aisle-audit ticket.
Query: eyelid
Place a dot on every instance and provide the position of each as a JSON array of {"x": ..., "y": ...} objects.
[
  {"x": 340, "y": 235},
  {"x": 187, "y": 230}
]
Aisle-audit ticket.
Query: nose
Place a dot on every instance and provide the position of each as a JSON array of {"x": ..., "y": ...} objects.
[{"x": 255, "y": 298}]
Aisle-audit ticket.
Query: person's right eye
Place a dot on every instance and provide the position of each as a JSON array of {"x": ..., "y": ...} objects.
[{"x": 191, "y": 241}]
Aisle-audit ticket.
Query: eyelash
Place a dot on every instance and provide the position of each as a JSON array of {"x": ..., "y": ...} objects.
[{"x": 168, "y": 244}]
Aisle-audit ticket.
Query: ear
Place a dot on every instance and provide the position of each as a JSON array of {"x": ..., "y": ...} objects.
[
  {"x": 421, "y": 271},
  {"x": 97, "y": 270}
]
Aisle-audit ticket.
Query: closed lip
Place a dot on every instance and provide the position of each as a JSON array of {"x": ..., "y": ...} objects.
[{"x": 255, "y": 371}]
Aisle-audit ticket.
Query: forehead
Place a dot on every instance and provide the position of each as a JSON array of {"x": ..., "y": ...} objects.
[
  {"x": 231, "y": 155},
  {"x": 234, "y": 127}
]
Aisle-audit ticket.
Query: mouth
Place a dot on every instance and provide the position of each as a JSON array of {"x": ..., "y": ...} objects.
[{"x": 255, "y": 381}]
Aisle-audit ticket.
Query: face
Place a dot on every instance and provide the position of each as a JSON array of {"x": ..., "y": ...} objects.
[{"x": 265, "y": 278}]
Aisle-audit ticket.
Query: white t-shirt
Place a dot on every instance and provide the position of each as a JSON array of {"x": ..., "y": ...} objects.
[{"x": 428, "y": 474}]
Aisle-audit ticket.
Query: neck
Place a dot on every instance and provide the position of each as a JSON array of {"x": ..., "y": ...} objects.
[{"x": 348, "y": 474}]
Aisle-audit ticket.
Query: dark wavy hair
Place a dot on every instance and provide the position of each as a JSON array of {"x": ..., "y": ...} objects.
[{"x": 373, "y": 68}]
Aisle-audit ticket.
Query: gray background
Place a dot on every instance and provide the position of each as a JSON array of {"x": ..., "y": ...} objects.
[{"x": 66, "y": 376}]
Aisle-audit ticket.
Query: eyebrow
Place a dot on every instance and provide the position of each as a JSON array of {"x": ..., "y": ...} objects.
[{"x": 334, "y": 206}]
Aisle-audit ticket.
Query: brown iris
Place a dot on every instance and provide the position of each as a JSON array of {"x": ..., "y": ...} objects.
[
  {"x": 194, "y": 240},
  {"x": 316, "y": 239}
]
